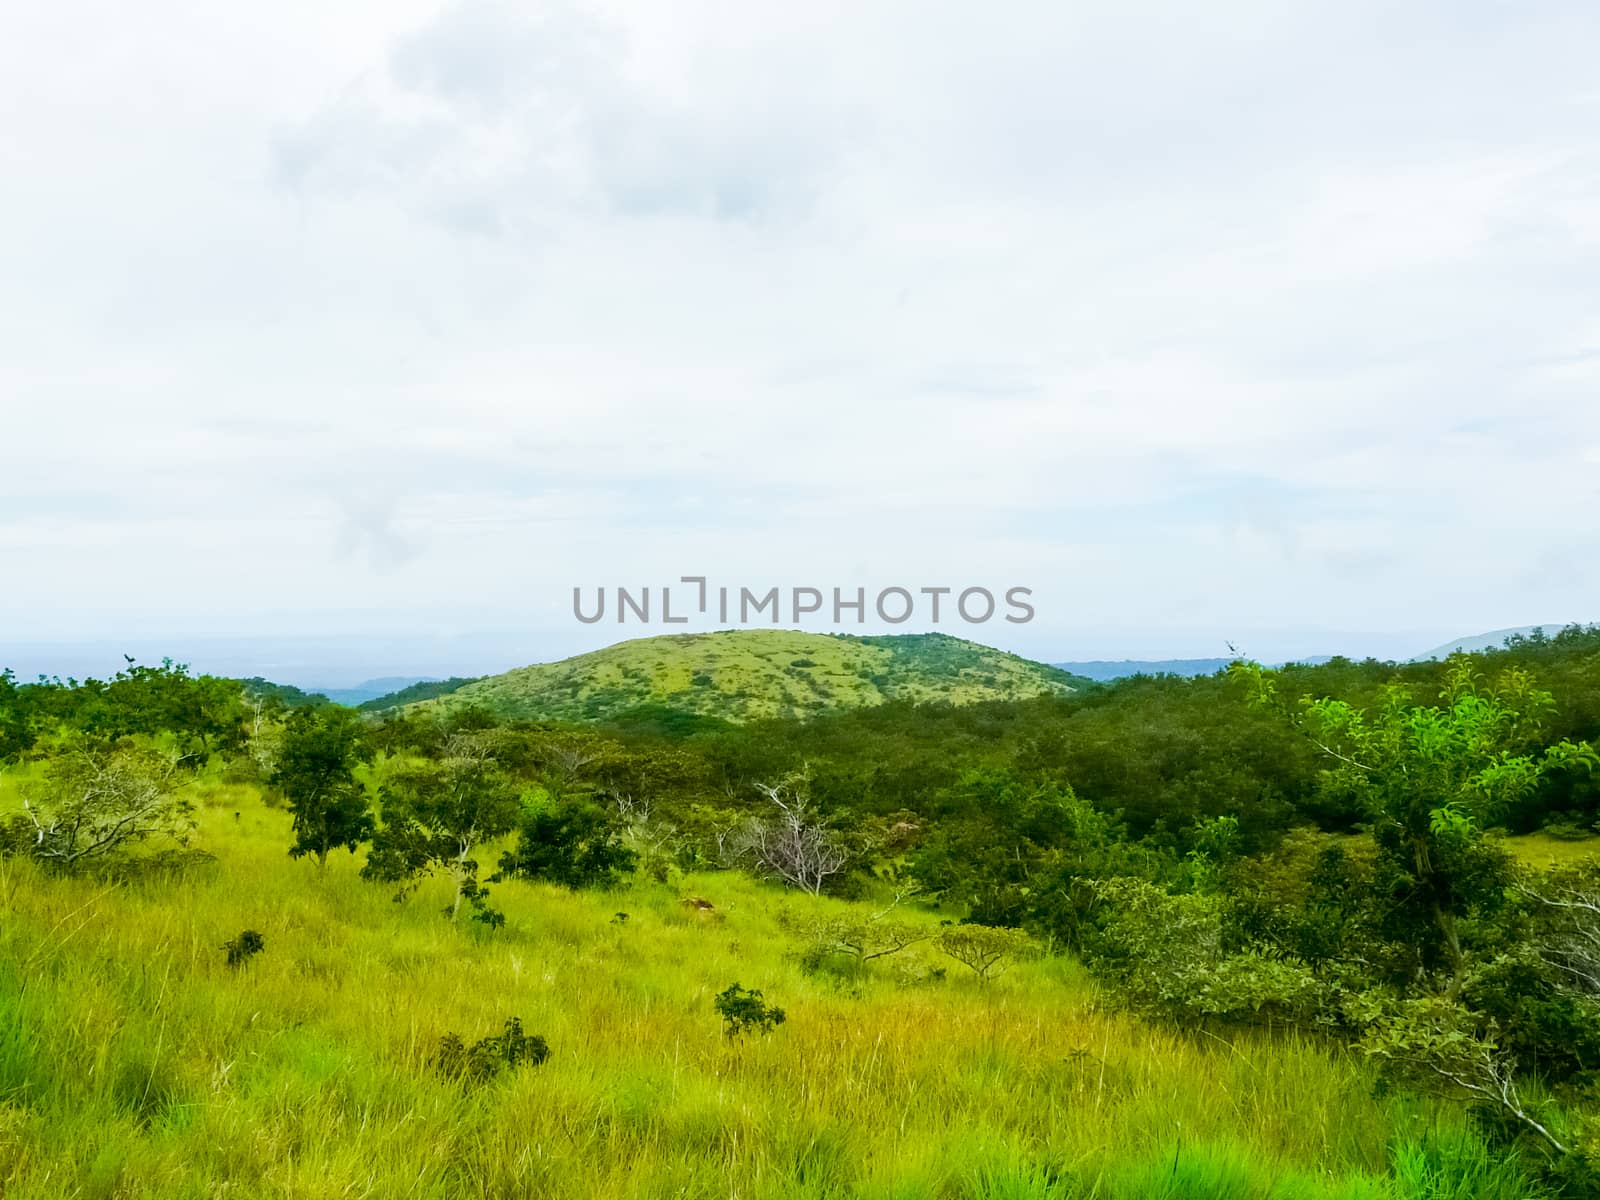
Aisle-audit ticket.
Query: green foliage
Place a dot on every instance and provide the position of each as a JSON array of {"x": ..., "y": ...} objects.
[
  {"x": 1018, "y": 852},
  {"x": 575, "y": 843},
  {"x": 985, "y": 951},
  {"x": 203, "y": 712},
  {"x": 426, "y": 690},
  {"x": 435, "y": 813},
  {"x": 18, "y": 729},
  {"x": 484, "y": 1059},
  {"x": 858, "y": 940},
  {"x": 316, "y": 770},
  {"x": 279, "y": 697},
  {"x": 243, "y": 948},
  {"x": 1169, "y": 954},
  {"x": 744, "y": 1011}
]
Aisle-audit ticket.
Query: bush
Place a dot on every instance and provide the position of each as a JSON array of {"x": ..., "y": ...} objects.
[
  {"x": 576, "y": 845},
  {"x": 745, "y": 1011},
  {"x": 244, "y": 947},
  {"x": 1167, "y": 955},
  {"x": 487, "y": 1057}
]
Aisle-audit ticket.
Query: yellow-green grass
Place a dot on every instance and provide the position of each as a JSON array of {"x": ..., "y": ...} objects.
[
  {"x": 135, "y": 1063},
  {"x": 750, "y": 673},
  {"x": 1543, "y": 851}
]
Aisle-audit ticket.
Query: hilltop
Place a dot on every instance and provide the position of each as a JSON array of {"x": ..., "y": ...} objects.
[{"x": 746, "y": 674}]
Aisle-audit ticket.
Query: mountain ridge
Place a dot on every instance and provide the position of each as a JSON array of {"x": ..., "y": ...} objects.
[{"x": 746, "y": 674}]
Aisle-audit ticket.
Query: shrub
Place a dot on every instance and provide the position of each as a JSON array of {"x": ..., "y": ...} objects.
[
  {"x": 487, "y": 1057},
  {"x": 744, "y": 1011},
  {"x": 572, "y": 843},
  {"x": 244, "y": 947}
]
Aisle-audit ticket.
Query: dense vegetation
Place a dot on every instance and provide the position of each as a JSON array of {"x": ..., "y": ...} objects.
[
  {"x": 1324, "y": 931},
  {"x": 737, "y": 675}
]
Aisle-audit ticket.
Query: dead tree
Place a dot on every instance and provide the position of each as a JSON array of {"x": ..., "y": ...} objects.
[{"x": 790, "y": 841}]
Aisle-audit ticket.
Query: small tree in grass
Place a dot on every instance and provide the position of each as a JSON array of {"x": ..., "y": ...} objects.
[
  {"x": 93, "y": 804},
  {"x": 987, "y": 950},
  {"x": 316, "y": 771},
  {"x": 436, "y": 814},
  {"x": 744, "y": 1011}
]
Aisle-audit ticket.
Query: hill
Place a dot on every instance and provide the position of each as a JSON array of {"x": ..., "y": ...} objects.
[
  {"x": 422, "y": 689},
  {"x": 745, "y": 674},
  {"x": 1493, "y": 640}
]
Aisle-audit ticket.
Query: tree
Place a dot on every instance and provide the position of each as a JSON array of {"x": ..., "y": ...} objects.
[
  {"x": 435, "y": 814},
  {"x": 986, "y": 950},
  {"x": 204, "y": 712},
  {"x": 93, "y": 804},
  {"x": 573, "y": 843},
  {"x": 860, "y": 940},
  {"x": 1430, "y": 779},
  {"x": 792, "y": 842},
  {"x": 316, "y": 771},
  {"x": 17, "y": 734}
]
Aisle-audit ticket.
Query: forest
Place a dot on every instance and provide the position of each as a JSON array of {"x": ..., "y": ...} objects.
[{"x": 1315, "y": 931}]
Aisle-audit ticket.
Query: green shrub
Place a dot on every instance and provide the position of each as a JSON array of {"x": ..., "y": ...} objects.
[
  {"x": 487, "y": 1057},
  {"x": 744, "y": 1011},
  {"x": 244, "y": 947}
]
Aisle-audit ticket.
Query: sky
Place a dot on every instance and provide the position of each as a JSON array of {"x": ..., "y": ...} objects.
[{"x": 1268, "y": 323}]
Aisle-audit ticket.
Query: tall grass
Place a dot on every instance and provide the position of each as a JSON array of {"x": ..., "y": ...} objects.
[{"x": 135, "y": 1063}]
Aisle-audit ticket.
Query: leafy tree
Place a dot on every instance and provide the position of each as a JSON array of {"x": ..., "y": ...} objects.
[
  {"x": 204, "y": 712},
  {"x": 435, "y": 814},
  {"x": 575, "y": 844},
  {"x": 17, "y": 730},
  {"x": 1430, "y": 779},
  {"x": 316, "y": 770},
  {"x": 744, "y": 1011},
  {"x": 985, "y": 950}
]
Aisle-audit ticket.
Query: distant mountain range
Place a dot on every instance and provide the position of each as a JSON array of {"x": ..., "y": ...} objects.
[
  {"x": 371, "y": 689},
  {"x": 741, "y": 675},
  {"x": 1105, "y": 670}
]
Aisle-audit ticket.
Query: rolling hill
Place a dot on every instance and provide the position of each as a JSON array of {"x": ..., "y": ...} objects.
[
  {"x": 741, "y": 675},
  {"x": 1493, "y": 640}
]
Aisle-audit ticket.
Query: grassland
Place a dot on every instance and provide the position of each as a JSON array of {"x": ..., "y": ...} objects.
[
  {"x": 739, "y": 675},
  {"x": 134, "y": 1063}
]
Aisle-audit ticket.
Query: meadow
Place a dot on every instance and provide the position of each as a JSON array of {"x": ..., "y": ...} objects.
[{"x": 135, "y": 1063}]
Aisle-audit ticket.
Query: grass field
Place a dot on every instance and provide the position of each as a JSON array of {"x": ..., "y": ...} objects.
[
  {"x": 135, "y": 1063},
  {"x": 1542, "y": 851}
]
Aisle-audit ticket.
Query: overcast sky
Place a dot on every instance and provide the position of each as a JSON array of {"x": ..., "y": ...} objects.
[{"x": 1256, "y": 320}]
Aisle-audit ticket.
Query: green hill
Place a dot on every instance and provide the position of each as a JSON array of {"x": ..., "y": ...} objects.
[{"x": 741, "y": 675}]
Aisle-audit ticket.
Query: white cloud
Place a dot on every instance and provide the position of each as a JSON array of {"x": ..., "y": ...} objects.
[{"x": 1188, "y": 315}]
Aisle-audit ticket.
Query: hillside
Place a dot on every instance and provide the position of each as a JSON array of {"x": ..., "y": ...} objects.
[
  {"x": 741, "y": 675},
  {"x": 1495, "y": 639}
]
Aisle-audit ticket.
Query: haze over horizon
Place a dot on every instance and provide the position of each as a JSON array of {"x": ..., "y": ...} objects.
[
  {"x": 321, "y": 662},
  {"x": 400, "y": 320}
]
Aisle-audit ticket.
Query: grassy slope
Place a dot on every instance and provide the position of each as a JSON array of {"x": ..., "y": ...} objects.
[
  {"x": 744, "y": 674},
  {"x": 134, "y": 1063}
]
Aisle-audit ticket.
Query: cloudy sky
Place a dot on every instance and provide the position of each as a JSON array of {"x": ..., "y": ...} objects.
[{"x": 1265, "y": 321}]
